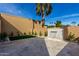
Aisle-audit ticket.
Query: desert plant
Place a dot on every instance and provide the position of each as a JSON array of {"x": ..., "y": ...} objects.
[
  {"x": 71, "y": 37},
  {"x": 40, "y": 33}
]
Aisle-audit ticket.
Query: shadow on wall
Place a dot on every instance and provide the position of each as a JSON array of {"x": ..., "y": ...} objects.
[
  {"x": 71, "y": 49},
  {"x": 9, "y": 28}
]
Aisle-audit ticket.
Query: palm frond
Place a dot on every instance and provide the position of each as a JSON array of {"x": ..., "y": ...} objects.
[
  {"x": 38, "y": 10},
  {"x": 48, "y": 9},
  {"x": 43, "y": 9}
]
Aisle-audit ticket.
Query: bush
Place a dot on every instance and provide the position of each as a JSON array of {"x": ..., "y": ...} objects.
[
  {"x": 35, "y": 33},
  {"x": 32, "y": 33},
  {"x": 40, "y": 33},
  {"x": 12, "y": 34},
  {"x": 20, "y": 37},
  {"x": 46, "y": 33},
  {"x": 29, "y": 33},
  {"x": 24, "y": 34},
  {"x": 18, "y": 33},
  {"x": 3, "y": 36}
]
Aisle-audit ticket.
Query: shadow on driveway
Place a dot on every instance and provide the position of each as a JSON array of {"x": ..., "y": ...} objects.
[{"x": 28, "y": 47}]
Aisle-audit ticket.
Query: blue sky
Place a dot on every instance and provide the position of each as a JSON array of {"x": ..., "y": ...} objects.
[{"x": 66, "y": 13}]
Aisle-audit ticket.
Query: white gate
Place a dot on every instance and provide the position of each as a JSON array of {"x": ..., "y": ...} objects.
[{"x": 55, "y": 33}]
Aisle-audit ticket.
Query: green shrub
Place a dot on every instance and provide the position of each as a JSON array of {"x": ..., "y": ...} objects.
[{"x": 40, "y": 33}]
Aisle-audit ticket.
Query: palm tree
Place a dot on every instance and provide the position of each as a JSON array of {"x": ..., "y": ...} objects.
[{"x": 43, "y": 9}]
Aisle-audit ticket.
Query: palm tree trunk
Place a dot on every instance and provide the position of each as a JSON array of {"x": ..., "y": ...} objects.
[
  {"x": 42, "y": 14},
  {"x": 43, "y": 20}
]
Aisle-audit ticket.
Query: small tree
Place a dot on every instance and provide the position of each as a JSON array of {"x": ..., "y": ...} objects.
[{"x": 58, "y": 24}]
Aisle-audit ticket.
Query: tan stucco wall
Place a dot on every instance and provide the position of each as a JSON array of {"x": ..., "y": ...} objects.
[
  {"x": 10, "y": 23},
  {"x": 17, "y": 24},
  {"x": 71, "y": 29}
]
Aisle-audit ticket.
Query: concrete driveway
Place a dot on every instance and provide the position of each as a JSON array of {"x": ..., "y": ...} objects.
[{"x": 38, "y": 47}]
